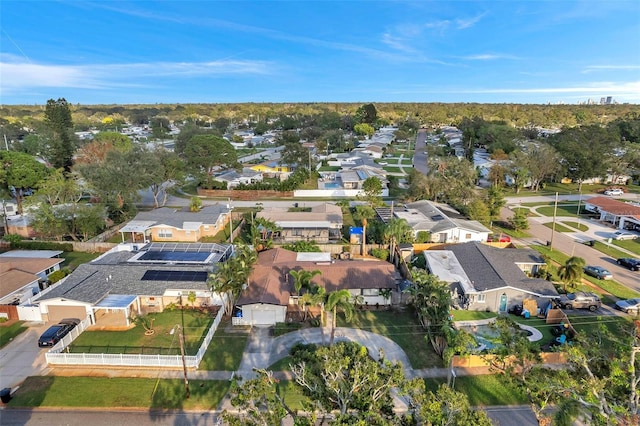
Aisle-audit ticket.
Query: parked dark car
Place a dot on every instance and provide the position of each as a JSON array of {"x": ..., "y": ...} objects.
[
  {"x": 629, "y": 262},
  {"x": 599, "y": 272},
  {"x": 579, "y": 300},
  {"x": 56, "y": 332}
]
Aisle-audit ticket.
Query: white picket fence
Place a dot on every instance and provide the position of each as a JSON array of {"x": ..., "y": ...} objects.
[{"x": 56, "y": 355}]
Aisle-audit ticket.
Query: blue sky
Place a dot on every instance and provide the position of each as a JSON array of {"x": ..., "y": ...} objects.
[{"x": 535, "y": 51}]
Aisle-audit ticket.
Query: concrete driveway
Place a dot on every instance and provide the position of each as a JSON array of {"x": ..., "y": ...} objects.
[{"x": 22, "y": 357}]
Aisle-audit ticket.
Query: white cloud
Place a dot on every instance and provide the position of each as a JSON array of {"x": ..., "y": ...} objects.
[
  {"x": 487, "y": 57},
  {"x": 461, "y": 24},
  {"x": 594, "y": 68},
  {"x": 19, "y": 74}
]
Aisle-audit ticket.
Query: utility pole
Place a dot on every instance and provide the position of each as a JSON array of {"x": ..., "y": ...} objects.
[
  {"x": 184, "y": 363},
  {"x": 553, "y": 226}
]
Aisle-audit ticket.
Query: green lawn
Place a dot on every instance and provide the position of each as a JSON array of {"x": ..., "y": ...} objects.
[
  {"x": 73, "y": 259},
  {"x": 631, "y": 245},
  {"x": 226, "y": 348},
  {"x": 401, "y": 327},
  {"x": 484, "y": 390},
  {"x": 608, "y": 250},
  {"x": 464, "y": 315},
  {"x": 134, "y": 341},
  {"x": 52, "y": 391},
  {"x": 576, "y": 225},
  {"x": 502, "y": 227},
  {"x": 558, "y": 227},
  {"x": 562, "y": 210},
  {"x": 8, "y": 331}
]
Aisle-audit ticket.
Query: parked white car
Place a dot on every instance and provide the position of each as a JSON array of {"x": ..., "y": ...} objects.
[
  {"x": 619, "y": 235},
  {"x": 615, "y": 191}
]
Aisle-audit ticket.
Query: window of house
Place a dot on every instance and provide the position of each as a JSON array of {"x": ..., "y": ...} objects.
[
  {"x": 370, "y": 292},
  {"x": 206, "y": 227},
  {"x": 49, "y": 271},
  {"x": 468, "y": 236},
  {"x": 165, "y": 233},
  {"x": 480, "y": 298}
]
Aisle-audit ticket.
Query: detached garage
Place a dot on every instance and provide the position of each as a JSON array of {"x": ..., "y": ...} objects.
[{"x": 261, "y": 314}]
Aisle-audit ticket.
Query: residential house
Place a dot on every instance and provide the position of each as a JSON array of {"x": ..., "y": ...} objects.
[
  {"x": 130, "y": 280},
  {"x": 169, "y": 224},
  {"x": 444, "y": 224},
  {"x": 372, "y": 150},
  {"x": 354, "y": 177},
  {"x": 621, "y": 214},
  {"x": 24, "y": 274},
  {"x": 270, "y": 292},
  {"x": 233, "y": 178},
  {"x": 322, "y": 224},
  {"x": 273, "y": 169},
  {"x": 489, "y": 278}
]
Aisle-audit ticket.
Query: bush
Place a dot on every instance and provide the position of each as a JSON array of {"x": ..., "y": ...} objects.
[
  {"x": 382, "y": 254},
  {"x": 423, "y": 237},
  {"x": 41, "y": 245},
  {"x": 56, "y": 276},
  {"x": 12, "y": 238}
]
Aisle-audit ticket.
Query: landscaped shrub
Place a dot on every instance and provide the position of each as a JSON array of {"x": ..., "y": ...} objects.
[
  {"x": 41, "y": 245},
  {"x": 382, "y": 254},
  {"x": 56, "y": 276},
  {"x": 12, "y": 238},
  {"x": 423, "y": 237}
]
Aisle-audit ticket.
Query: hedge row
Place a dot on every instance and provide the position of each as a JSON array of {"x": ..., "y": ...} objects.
[{"x": 41, "y": 245}]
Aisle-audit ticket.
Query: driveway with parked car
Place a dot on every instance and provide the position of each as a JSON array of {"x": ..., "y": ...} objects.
[{"x": 55, "y": 333}]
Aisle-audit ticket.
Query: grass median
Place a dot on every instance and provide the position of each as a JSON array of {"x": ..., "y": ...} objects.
[{"x": 119, "y": 392}]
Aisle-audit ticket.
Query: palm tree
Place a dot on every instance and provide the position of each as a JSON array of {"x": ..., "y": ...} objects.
[
  {"x": 396, "y": 231},
  {"x": 431, "y": 299},
  {"x": 339, "y": 299},
  {"x": 571, "y": 271},
  {"x": 232, "y": 276},
  {"x": 316, "y": 296},
  {"x": 302, "y": 279}
]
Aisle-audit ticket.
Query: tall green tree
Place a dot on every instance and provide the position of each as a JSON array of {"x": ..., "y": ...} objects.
[
  {"x": 169, "y": 171},
  {"x": 57, "y": 116},
  {"x": 372, "y": 191},
  {"x": 431, "y": 300},
  {"x": 495, "y": 201},
  {"x": 20, "y": 172},
  {"x": 519, "y": 220},
  {"x": 367, "y": 113},
  {"x": 205, "y": 153}
]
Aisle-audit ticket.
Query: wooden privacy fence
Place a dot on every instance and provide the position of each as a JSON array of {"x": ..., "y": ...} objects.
[{"x": 57, "y": 356}]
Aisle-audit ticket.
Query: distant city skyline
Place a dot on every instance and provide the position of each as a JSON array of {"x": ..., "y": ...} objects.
[{"x": 125, "y": 52}]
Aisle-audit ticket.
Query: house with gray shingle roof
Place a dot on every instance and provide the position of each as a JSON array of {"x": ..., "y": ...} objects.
[
  {"x": 483, "y": 277},
  {"x": 126, "y": 281},
  {"x": 443, "y": 224},
  {"x": 233, "y": 178},
  {"x": 183, "y": 225}
]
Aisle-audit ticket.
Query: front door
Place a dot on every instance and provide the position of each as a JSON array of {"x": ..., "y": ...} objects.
[{"x": 503, "y": 303}]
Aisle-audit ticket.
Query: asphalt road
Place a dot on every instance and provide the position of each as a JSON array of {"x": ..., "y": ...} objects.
[
  {"x": 571, "y": 243},
  {"x": 419, "y": 155}
]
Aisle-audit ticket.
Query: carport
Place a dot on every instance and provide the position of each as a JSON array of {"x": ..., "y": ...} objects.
[{"x": 115, "y": 310}]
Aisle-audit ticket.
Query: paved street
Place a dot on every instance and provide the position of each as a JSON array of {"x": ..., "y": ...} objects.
[{"x": 571, "y": 243}]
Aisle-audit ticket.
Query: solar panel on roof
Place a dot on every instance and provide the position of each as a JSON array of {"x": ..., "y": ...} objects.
[
  {"x": 160, "y": 275},
  {"x": 361, "y": 174}
]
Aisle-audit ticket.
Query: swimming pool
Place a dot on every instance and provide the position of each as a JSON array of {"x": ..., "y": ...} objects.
[
  {"x": 331, "y": 185},
  {"x": 485, "y": 335}
]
